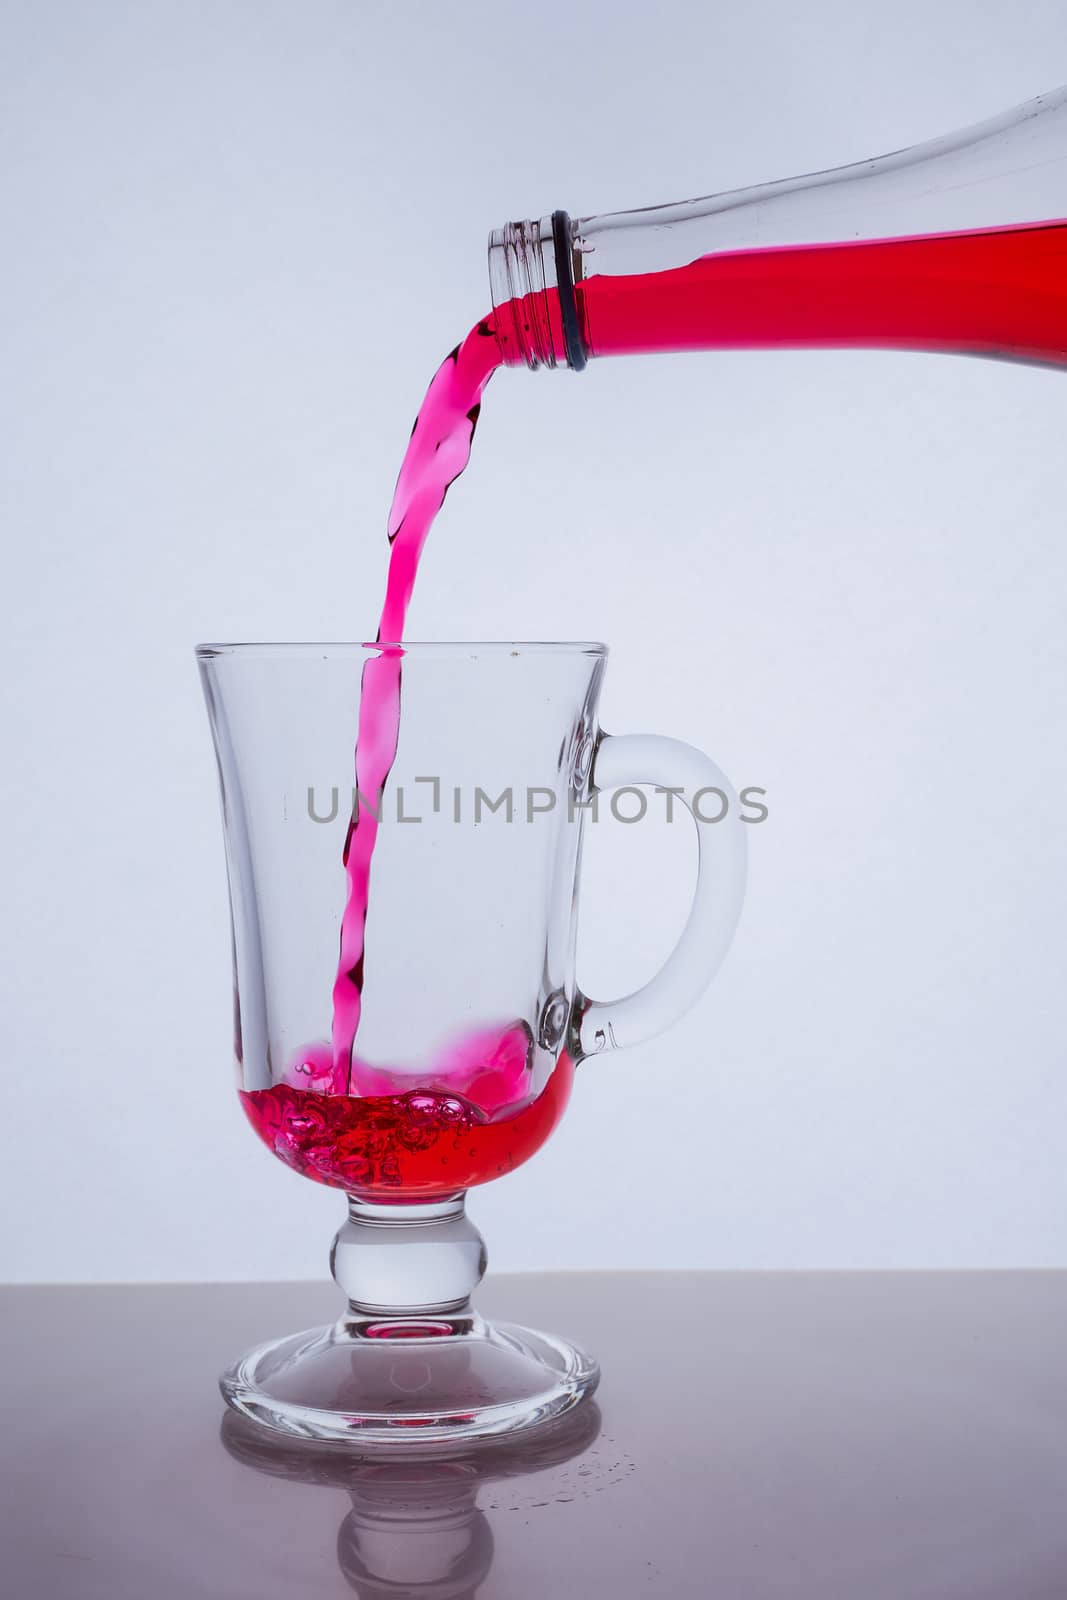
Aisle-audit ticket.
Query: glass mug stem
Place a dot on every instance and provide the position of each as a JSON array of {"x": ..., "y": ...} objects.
[{"x": 407, "y": 1260}]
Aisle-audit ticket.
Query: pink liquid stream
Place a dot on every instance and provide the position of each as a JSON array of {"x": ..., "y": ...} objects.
[
  {"x": 438, "y": 451},
  {"x": 470, "y": 1114}
]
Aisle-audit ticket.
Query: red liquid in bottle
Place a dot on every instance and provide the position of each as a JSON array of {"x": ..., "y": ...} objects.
[{"x": 1000, "y": 292}]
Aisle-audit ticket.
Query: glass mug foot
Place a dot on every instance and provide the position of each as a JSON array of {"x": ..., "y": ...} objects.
[
  {"x": 372, "y": 1384},
  {"x": 400, "y": 1370}
]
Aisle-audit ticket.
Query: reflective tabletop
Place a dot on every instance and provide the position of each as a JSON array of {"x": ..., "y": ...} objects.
[{"x": 765, "y": 1436}]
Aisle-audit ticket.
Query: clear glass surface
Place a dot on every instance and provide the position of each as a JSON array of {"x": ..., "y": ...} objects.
[{"x": 415, "y": 1527}]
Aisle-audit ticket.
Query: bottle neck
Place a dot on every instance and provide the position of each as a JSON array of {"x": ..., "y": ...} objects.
[{"x": 533, "y": 268}]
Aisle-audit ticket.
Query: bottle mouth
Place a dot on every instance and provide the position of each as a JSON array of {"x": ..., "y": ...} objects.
[{"x": 532, "y": 273}]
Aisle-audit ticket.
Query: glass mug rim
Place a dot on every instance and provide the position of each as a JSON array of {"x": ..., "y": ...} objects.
[{"x": 296, "y": 649}]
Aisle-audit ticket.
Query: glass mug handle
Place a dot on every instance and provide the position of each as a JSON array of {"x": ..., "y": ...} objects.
[{"x": 622, "y": 760}]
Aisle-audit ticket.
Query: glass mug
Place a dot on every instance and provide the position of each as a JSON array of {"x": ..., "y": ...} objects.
[{"x": 470, "y": 1018}]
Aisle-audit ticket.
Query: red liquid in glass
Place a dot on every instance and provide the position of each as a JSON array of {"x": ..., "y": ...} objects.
[
  {"x": 414, "y": 1145},
  {"x": 1000, "y": 292}
]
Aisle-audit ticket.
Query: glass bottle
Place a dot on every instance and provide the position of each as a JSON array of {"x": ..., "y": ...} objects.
[{"x": 956, "y": 245}]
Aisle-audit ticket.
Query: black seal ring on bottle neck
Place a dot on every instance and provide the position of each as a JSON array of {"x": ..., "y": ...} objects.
[{"x": 568, "y": 305}]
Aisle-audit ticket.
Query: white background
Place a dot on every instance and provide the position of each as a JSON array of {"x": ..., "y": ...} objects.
[{"x": 239, "y": 238}]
